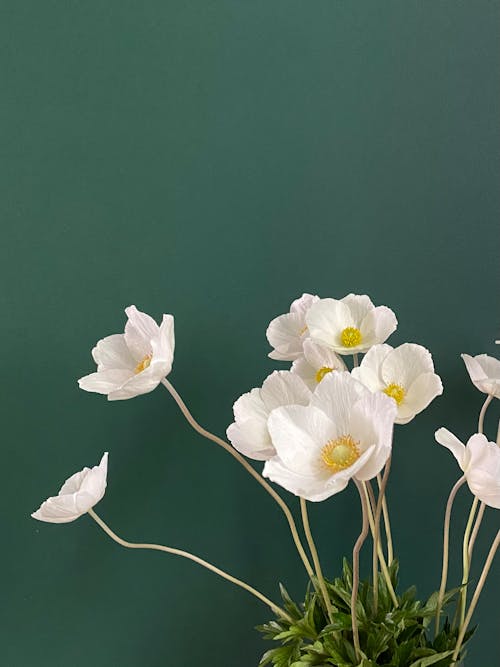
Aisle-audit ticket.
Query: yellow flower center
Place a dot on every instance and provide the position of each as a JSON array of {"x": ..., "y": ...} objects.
[
  {"x": 322, "y": 372},
  {"x": 350, "y": 337},
  {"x": 303, "y": 330},
  {"x": 395, "y": 391},
  {"x": 340, "y": 453},
  {"x": 143, "y": 364}
]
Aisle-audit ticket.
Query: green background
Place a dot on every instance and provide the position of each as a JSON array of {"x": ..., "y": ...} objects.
[{"x": 214, "y": 160}]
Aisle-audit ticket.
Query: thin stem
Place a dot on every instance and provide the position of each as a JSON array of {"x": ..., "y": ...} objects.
[
  {"x": 477, "y": 593},
  {"x": 210, "y": 436},
  {"x": 446, "y": 540},
  {"x": 317, "y": 564},
  {"x": 382, "y": 483},
  {"x": 355, "y": 361},
  {"x": 387, "y": 524},
  {"x": 486, "y": 403},
  {"x": 472, "y": 540},
  {"x": 185, "y": 554},
  {"x": 466, "y": 560},
  {"x": 355, "y": 569},
  {"x": 383, "y": 564}
]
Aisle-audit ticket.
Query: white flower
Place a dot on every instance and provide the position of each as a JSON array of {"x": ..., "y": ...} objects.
[
  {"x": 249, "y": 433},
  {"x": 405, "y": 373},
  {"x": 135, "y": 362},
  {"x": 78, "y": 494},
  {"x": 480, "y": 463},
  {"x": 484, "y": 372},
  {"x": 350, "y": 325},
  {"x": 345, "y": 432},
  {"x": 286, "y": 333},
  {"x": 316, "y": 362}
]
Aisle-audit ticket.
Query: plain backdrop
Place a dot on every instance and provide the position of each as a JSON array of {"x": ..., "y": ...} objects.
[{"x": 214, "y": 159}]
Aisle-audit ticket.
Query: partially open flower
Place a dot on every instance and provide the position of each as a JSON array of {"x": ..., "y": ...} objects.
[
  {"x": 405, "y": 373},
  {"x": 249, "y": 433},
  {"x": 345, "y": 432},
  {"x": 350, "y": 325},
  {"x": 135, "y": 362},
  {"x": 480, "y": 463},
  {"x": 484, "y": 372},
  {"x": 316, "y": 362},
  {"x": 78, "y": 494},
  {"x": 286, "y": 333}
]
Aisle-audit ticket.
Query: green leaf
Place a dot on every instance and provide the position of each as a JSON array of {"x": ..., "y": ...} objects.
[{"x": 431, "y": 659}]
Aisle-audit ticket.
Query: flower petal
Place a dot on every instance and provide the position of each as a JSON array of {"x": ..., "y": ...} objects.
[
  {"x": 377, "y": 326},
  {"x": 104, "y": 382},
  {"x": 368, "y": 372},
  {"x": 359, "y": 305},
  {"x": 326, "y": 319},
  {"x": 310, "y": 487},
  {"x": 335, "y": 396},
  {"x": 423, "y": 390},
  {"x": 140, "y": 329},
  {"x": 112, "y": 353},
  {"x": 405, "y": 363},
  {"x": 284, "y": 388},
  {"x": 284, "y": 333},
  {"x": 484, "y": 371},
  {"x": 451, "y": 442}
]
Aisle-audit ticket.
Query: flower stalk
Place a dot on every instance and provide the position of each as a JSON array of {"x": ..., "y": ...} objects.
[{"x": 355, "y": 569}]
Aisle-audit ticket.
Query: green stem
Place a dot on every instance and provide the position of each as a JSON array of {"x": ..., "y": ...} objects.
[
  {"x": 185, "y": 554},
  {"x": 382, "y": 483},
  {"x": 214, "y": 438},
  {"x": 315, "y": 557},
  {"x": 355, "y": 569}
]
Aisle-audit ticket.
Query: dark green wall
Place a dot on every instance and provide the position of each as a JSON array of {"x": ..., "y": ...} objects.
[{"x": 215, "y": 159}]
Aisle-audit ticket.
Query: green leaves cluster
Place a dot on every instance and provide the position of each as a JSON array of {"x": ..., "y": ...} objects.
[{"x": 392, "y": 636}]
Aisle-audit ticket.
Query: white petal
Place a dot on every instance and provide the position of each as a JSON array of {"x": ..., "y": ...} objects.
[
  {"x": 320, "y": 356},
  {"x": 284, "y": 388},
  {"x": 305, "y": 371},
  {"x": 298, "y": 434},
  {"x": 483, "y": 470},
  {"x": 250, "y": 406},
  {"x": 58, "y": 509},
  {"x": 335, "y": 395},
  {"x": 94, "y": 483},
  {"x": 285, "y": 334},
  {"x": 162, "y": 346},
  {"x": 484, "y": 371},
  {"x": 326, "y": 319},
  {"x": 140, "y": 329},
  {"x": 369, "y": 371},
  {"x": 405, "y": 363},
  {"x": 451, "y": 442},
  {"x": 104, "y": 382},
  {"x": 359, "y": 305},
  {"x": 249, "y": 434},
  {"x": 112, "y": 353},
  {"x": 423, "y": 390},
  {"x": 301, "y": 306},
  {"x": 138, "y": 384},
  {"x": 377, "y": 326},
  {"x": 310, "y": 487}
]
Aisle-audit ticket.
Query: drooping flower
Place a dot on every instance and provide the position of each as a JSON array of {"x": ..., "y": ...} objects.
[
  {"x": 78, "y": 494},
  {"x": 484, "y": 371},
  {"x": 135, "y": 362},
  {"x": 286, "y": 333},
  {"x": 315, "y": 363},
  {"x": 480, "y": 463},
  {"x": 349, "y": 325},
  {"x": 345, "y": 432},
  {"x": 405, "y": 373},
  {"x": 249, "y": 433}
]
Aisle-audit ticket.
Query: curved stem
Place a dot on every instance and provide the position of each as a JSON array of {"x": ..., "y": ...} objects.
[
  {"x": 387, "y": 524},
  {"x": 446, "y": 540},
  {"x": 480, "y": 423},
  {"x": 355, "y": 569},
  {"x": 472, "y": 540},
  {"x": 317, "y": 564},
  {"x": 383, "y": 564},
  {"x": 185, "y": 554},
  {"x": 210, "y": 436},
  {"x": 382, "y": 483},
  {"x": 466, "y": 560},
  {"x": 477, "y": 593}
]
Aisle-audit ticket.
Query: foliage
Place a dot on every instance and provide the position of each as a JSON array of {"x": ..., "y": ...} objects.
[{"x": 401, "y": 636}]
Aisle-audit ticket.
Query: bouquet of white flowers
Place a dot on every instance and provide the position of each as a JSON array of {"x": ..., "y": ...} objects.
[{"x": 318, "y": 426}]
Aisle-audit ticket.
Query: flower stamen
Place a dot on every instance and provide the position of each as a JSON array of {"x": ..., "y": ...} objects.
[
  {"x": 322, "y": 372},
  {"x": 143, "y": 364},
  {"x": 350, "y": 337},
  {"x": 340, "y": 453},
  {"x": 395, "y": 391}
]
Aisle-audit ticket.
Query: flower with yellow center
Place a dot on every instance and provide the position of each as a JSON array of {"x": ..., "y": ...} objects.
[
  {"x": 316, "y": 363},
  {"x": 134, "y": 362},
  {"x": 405, "y": 373},
  {"x": 349, "y": 325},
  {"x": 345, "y": 432}
]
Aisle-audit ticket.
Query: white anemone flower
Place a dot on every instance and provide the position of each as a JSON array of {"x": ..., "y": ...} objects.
[
  {"x": 78, "y": 494},
  {"x": 316, "y": 362},
  {"x": 286, "y": 333},
  {"x": 480, "y": 463},
  {"x": 134, "y": 362},
  {"x": 249, "y": 433},
  {"x": 350, "y": 325},
  {"x": 405, "y": 373},
  {"x": 484, "y": 372},
  {"x": 345, "y": 432}
]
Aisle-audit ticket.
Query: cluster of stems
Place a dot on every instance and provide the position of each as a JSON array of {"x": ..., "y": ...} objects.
[{"x": 374, "y": 509}]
